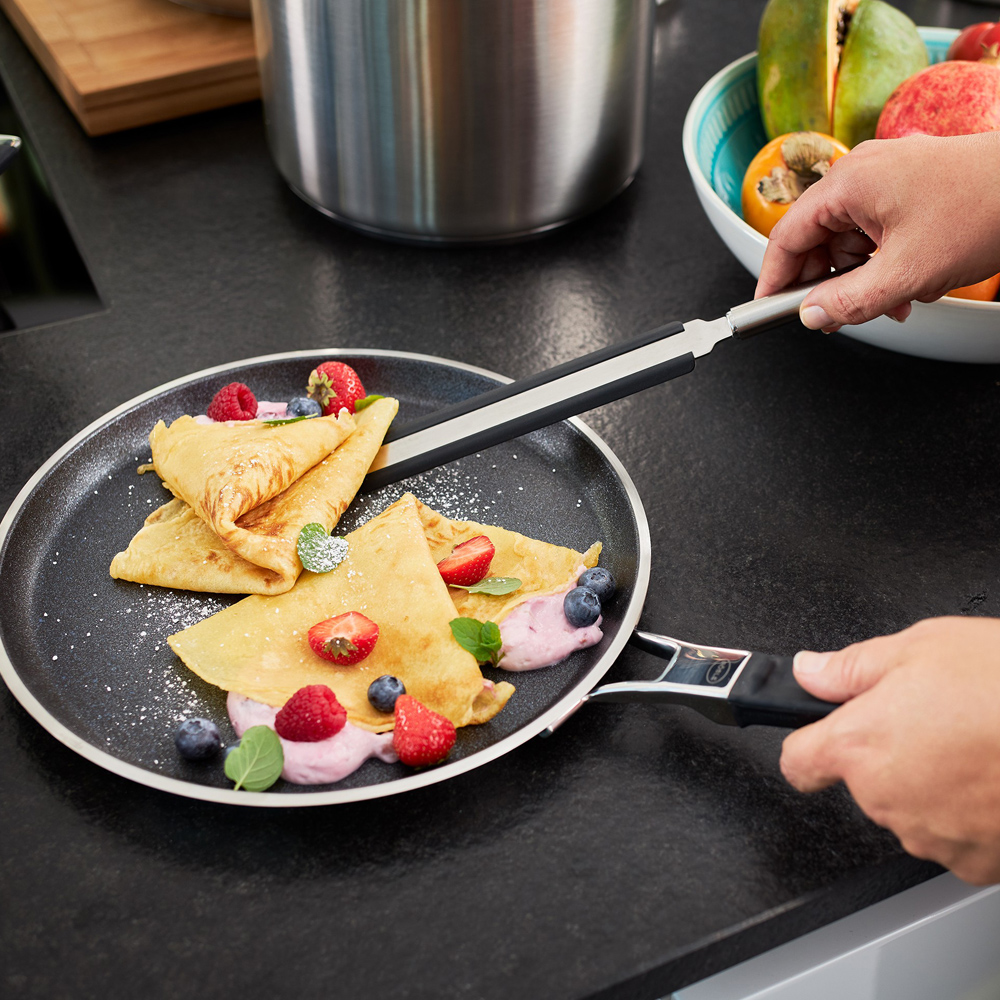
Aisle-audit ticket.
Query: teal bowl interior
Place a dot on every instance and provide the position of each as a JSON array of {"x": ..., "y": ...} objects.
[{"x": 729, "y": 132}]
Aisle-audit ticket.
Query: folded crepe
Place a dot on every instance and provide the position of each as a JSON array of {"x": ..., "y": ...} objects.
[
  {"x": 176, "y": 548},
  {"x": 259, "y": 647},
  {"x": 541, "y": 567},
  {"x": 222, "y": 471}
]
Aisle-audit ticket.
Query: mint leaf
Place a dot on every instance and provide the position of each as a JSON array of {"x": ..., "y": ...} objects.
[
  {"x": 281, "y": 421},
  {"x": 466, "y": 632},
  {"x": 257, "y": 762},
  {"x": 319, "y": 551},
  {"x": 482, "y": 639},
  {"x": 495, "y": 585},
  {"x": 360, "y": 404}
]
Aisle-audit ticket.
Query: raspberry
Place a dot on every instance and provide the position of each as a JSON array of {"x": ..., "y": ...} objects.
[
  {"x": 421, "y": 737},
  {"x": 335, "y": 385},
  {"x": 311, "y": 714},
  {"x": 233, "y": 402}
]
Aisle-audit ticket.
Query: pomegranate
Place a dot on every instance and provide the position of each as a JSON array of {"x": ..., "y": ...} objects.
[
  {"x": 950, "y": 98},
  {"x": 969, "y": 43}
]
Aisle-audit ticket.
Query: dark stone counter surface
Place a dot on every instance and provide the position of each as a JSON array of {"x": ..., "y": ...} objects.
[{"x": 802, "y": 491}]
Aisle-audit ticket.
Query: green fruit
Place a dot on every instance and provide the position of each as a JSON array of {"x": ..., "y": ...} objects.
[
  {"x": 882, "y": 49},
  {"x": 829, "y": 66},
  {"x": 796, "y": 61}
]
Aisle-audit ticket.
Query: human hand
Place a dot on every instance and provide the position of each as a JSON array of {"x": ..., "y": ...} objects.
[
  {"x": 917, "y": 741},
  {"x": 930, "y": 205}
]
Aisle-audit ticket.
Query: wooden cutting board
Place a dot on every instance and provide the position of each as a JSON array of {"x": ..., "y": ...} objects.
[{"x": 122, "y": 63}]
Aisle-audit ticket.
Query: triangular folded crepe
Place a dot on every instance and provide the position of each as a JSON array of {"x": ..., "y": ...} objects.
[
  {"x": 176, "y": 548},
  {"x": 259, "y": 646},
  {"x": 541, "y": 567},
  {"x": 224, "y": 470}
]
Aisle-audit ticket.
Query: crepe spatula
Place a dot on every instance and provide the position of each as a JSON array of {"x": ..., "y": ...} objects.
[{"x": 545, "y": 398}]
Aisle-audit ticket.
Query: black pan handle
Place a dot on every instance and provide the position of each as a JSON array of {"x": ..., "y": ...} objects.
[
  {"x": 732, "y": 686},
  {"x": 766, "y": 693}
]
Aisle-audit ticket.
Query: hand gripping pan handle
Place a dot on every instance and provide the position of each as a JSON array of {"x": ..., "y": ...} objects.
[
  {"x": 582, "y": 384},
  {"x": 767, "y": 694},
  {"x": 732, "y": 686}
]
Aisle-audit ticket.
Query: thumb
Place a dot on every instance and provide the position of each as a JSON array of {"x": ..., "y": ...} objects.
[
  {"x": 841, "y": 675},
  {"x": 857, "y": 296}
]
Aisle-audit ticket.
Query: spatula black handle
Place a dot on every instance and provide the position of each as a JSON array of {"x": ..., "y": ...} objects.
[
  {"x": 521, "y": 385},
  {"x": 766, "y": 693},
  {"x": 534, "y": 402}
]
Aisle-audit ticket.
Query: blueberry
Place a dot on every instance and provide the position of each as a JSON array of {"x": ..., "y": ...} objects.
[
  {"x": 197, "y": 739},
  {"x": 383, "y": 692},
  {"x": 303, "y": 406},
  {"x": 582, "y": 607},
  {"x": 600, "y": 581},
  {"x": 229, "y": 749}
]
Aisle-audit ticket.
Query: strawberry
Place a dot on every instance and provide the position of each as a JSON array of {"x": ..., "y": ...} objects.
[
  {"x": 335, "y": 385},
  {"x": 232, "y": 402},
  {"x": 468, "y": 562},
  {"x": 311, "y": 714},
  {"x": 421, "y": 737},
  {"x": 345, "y": 639}
]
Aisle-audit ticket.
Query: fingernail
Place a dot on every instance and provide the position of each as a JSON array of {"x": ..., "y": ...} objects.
[
  {"x": 815, "y": 317},
  {"x": 810, "y": 663},
  {"x": 895, "y": 319}
]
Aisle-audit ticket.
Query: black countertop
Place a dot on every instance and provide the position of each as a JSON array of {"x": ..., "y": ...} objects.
[{"x": 802, "y": 491}]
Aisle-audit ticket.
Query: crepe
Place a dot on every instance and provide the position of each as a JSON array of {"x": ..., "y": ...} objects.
[
  {"x": 176, "y": 548},
  {"x": 224, "y": 470},
  {"x": 259, "y": 646},
  {"x": 541, "y": 567}
]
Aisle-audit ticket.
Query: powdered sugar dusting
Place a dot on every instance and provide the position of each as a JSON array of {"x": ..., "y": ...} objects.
[{"x": 452, "y": 490}]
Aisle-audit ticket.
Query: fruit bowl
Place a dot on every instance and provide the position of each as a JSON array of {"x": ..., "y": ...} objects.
[{"x": 723, "y": 131}]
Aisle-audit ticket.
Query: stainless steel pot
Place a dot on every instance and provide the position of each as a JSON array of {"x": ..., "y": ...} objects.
[{"x": 455, "y": 120}]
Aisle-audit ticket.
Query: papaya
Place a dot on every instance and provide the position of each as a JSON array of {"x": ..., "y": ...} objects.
[{"x": 830, "y": 65}]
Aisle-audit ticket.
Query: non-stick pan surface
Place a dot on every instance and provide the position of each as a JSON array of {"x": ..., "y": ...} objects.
[{"x": 87, "y": 656}]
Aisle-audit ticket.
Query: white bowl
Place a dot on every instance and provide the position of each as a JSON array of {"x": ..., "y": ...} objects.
[{"x": 723, "y": 131}]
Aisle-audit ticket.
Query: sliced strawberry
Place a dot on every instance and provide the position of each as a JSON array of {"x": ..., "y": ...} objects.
[
  {"x": 468, "y": 562},
  {"x": 421, "y": 737},
  {"x": 335, "y": 386},
  {"x": 345, "y": 639}
]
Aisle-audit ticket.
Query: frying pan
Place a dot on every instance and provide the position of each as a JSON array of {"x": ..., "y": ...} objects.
[{"x": 86, "y": 655}]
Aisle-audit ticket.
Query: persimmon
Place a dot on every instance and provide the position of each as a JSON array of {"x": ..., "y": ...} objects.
[
  {"x": 984, "y": 291},
  {"x": 781, "y": 171}
]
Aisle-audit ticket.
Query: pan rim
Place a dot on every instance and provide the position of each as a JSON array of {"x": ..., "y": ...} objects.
[{"x": 177, "y": 786}]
